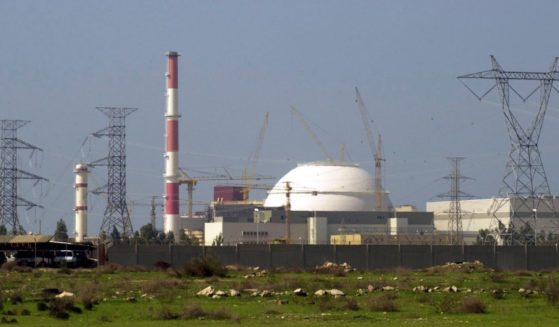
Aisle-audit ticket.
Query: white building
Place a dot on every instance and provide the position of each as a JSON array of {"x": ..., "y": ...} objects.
[
  {"x": 325, "y": 198},
  {"x": 478, "y": 214}
]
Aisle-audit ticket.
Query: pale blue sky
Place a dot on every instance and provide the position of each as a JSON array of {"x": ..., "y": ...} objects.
[{"x": 60, "y": 59}]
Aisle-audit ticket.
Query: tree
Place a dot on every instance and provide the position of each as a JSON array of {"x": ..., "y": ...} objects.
[
  {"x": 148, "y": 234},
  {"x": 115, "y": 235},
  {"x": 170, "y": 238},
  {"x": 3, "y": 230},
  {"x": 102, "y": 236},
  {"x": 218, "y": 240},
  {"x": 61, "y": 232},
  {"x": 185, "y": 239}
]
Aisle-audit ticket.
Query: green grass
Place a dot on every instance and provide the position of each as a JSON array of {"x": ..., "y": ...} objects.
[{"x": 165, "y": 295}]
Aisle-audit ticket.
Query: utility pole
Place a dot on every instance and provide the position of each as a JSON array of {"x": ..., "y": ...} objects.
[
  {"x": 116, "y": 213},
  {"x": 10, "y": 174},
  {"x": 153, "y": 215},
  {"x": 456, "y": 236},
  {"x": 287, "y": 209},
  {"x": 525, "y": 186}
]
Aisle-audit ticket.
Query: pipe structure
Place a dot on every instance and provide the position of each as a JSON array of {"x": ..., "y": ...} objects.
[
  {"x": 172, "y": 221},
  {"x": 81, "y": 171}
]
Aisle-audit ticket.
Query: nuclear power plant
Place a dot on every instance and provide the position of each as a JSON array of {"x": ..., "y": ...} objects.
[{"x": 328, "y": 201}]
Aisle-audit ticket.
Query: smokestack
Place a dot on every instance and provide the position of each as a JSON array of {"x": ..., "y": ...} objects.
[
  {"x": 80, "y": 209},
  {"x": 172, "y": 222}
]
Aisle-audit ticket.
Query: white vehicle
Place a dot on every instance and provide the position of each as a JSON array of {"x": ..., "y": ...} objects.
[{"x": 65, "y": 258}]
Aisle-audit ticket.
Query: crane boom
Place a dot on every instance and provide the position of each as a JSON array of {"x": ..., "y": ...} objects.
[
  {"x": 376, "y": 151},
  {"x": 250, "y": 173},
  {"x": 312, "y": 134}
]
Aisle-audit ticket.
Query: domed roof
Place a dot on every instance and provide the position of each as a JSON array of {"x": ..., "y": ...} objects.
[{"x": 326, "y": 186}]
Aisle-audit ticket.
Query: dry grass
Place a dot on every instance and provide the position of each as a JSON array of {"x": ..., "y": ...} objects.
[
  {"x": 551, "y": 291},
  {"x": 385, "y": 303},
  {"x": 473, "y": 305}
]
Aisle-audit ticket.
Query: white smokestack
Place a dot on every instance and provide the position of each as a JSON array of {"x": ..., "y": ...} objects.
[{"x": 80, "y": 209}]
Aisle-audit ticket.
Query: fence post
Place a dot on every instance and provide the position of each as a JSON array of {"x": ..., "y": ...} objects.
[
  {"x": 137, "y": 254},
  {"x": 526, "y": 264},
  {"x": 270, "y": 262},
  {"x": 367, "y": 257},
  {"x": 335, "y": 250},
  {"x": 237, "y": 255},
  {"x": 432, "y": 255},
  {"x": 171, "y": 255},
  {"x": 495, "y": 255},
  {"x": 303, "y": 266},
  {"x": 399, "y": 255}
]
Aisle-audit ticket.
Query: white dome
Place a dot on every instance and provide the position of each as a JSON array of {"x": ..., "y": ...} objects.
[{"x": 326, "y": 186}]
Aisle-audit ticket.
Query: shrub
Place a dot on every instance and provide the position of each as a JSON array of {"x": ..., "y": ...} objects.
[
  {"x": 552, "y": 291},
  {"x": 25, "y": 312},
  {"x": 162, "y": 265},
  {"x": 207, "y": 266},
  {"x": 5, "y": 320},
  {"x": 64, "y": 270},
  {"x": 87, "y": 295},
  {"x": 447, "y": 304},
  {"x": 497, "y": 277},
  {"x": 165, "y": 314},
  {"x": 16, "y": 297},
  {"x": 351, "y": 304},
  {"x": 385, "y": 302},
  {"x": 58, "y": 308},
  {"x": 192, "y": 311},
  {"x": 473, "y": 305},
  {"x": 9, "y": 266},
  {"x": 42, "y": 306},
  {"x": 326, "y": 304}
]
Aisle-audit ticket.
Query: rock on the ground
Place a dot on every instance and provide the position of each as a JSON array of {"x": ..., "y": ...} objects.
[
  {"x": 208, "y": 291},
  {"x": 233, "y": 293},
  {"x": 388, "y": 288},
  {"x": 336, "y": 292},
  {"x": 64, "y": 294},
  {"x": 320, "y": 293}
]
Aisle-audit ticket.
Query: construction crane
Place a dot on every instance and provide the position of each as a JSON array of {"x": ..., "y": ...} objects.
[
  {"x": 250, "y": 173},
  {"x": 312, "y": 134},
  {"x": 376, "y": 151},
  {"x": 191, "y": 182}
]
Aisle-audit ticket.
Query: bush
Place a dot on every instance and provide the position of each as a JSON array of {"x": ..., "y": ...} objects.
[
  {"x": 165, "y": 314},
  {"x": 25, "y": 312},
  {"x": 351, "y": 304},
  {"x": 385, "y": 302},
  {"x": 552, "y": 291},
  {"x": 473, "y": 305},
  {"x": 16, "y": 297},
  {"x": 192, "y": 311},
  {"x": 447, "y": 304},
  {"x": 58, "y": 308},
  {"x": 207, "y": 266},
  {"x": 42, "y": 306},
  {"x": 87, "y": 295},
  {"x": 5, "y": 320}
]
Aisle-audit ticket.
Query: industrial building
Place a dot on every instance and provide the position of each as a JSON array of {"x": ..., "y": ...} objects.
[
  {"x": 311, "y": 203},
  {"x": 481, "y": 214}
]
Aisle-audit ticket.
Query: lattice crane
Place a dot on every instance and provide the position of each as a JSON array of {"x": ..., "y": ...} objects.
[
  {"x": 312, "y": 134},
  {"x": 376, "y": 151},
  {"x": 250, "y": 172}
]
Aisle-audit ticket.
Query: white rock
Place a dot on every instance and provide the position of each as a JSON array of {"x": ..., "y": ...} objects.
[
  {"x": 320, "y": 293},
  {"x": 208, "y": 291},
  {"x": 64, "y": 294},
  {"x": 336, "y": 292},
  {"x": 388, "y": 288},
  {"x": 220, "y": 293},
  {"x": 234, "y": 293}
]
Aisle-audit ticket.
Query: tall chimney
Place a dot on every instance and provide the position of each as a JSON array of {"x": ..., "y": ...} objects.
[
  {"x": 172, "y": 222},
  {"x": 80, "y": 209}
]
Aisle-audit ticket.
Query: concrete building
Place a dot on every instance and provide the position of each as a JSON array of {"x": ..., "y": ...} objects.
[
  {"x": 477, "y": 215},
  {"x": 308, "y": 205}
]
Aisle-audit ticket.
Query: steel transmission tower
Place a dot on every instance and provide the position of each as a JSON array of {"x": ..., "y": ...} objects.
[
  {"x": 10, "y": 174},
  {"x": 116, "y": 213},
  {"x": 525, "y": 183},
  {"x": 455, "y": 195}
]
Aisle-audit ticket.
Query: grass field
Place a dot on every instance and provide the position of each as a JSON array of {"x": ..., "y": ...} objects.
[{"x": 111, "y": 296}]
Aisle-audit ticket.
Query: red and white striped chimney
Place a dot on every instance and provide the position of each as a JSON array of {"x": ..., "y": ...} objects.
[{"x": 172, "y": 221}]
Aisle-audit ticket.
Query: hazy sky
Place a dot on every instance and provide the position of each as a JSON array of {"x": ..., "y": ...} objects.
[{"x": 240, "y": 59}]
